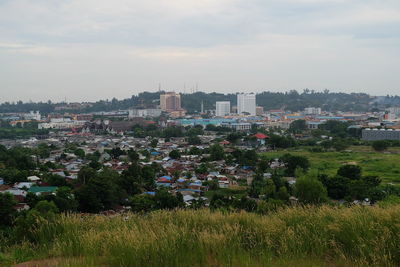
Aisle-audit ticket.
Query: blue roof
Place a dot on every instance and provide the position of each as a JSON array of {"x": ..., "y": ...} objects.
[
  {"x": 155, "y": 153},
  {"x": 166, "y": 177},
  {"x": 330, "y": 118},
  {"x": 180, "y": 180},
  {"x": 295, "y": 117},
  {"x": 150, "y": 193}
]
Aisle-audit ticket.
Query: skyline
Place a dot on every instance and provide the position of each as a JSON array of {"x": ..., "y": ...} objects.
[
  {"x": 90, "y": 50},
  {"x": 235, "y": 93}
]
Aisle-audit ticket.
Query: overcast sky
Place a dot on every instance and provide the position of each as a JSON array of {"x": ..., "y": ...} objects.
[{"x": 99, "y": 49}]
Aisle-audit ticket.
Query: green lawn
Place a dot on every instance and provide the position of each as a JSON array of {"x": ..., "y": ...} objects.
[{"x": 384, "y": 165}]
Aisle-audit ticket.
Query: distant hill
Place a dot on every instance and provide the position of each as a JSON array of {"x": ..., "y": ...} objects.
[{"x": 291, "y": 100}]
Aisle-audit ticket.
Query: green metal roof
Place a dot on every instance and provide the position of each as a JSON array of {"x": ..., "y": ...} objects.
[{"x": 42, "y": 189}]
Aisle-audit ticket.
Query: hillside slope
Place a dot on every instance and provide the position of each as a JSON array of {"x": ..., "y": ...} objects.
[{"x": 309, "y": 236}]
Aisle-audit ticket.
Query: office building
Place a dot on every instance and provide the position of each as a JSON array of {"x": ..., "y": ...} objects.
[
  {"x": 259, "y": 111},
  {"x": 170, "y": 102},
  {"x": 312, "y": 111},
  {"x": 145, "y": 112},
  {"x": 394, "y": 110},
  {"x": 246, "y": 104},
  {"x": 222, "y": 108}
]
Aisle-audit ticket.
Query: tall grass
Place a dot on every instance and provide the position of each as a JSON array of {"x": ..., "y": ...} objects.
[{"x": 298, "y": 236}]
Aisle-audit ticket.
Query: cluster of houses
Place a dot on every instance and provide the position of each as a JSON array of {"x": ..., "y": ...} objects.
[
  {"x": 181, "y": 175},
  {"x": 19, "y": 190}
]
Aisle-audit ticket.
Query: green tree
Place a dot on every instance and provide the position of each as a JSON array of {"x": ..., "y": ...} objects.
[
  {"x": 213, "y": 185},
  {"x": 85, "y": 174},
  {"x": 340, "y": 144},
  {"x": 79, "y": 152},
  {"x": 194, "y": 140},
  {"x": 7, "y": 211},
  {"x": 65, "y": 199},
  {"x": 133, "y": 155},
  {"x": 175, "y": 154},
  {"x": 282, "y": 194},
  {"x": 337, "y": 187},
  {"x": 142, "y": 203},
  {"x": 353, "y": 172},
  {"x": 28, "y": 226},
  {"x": 234, "y": 137},
  {"x": 195, "y": 131},
  {"x": 380, "y": 145},
  {"x": 154, "y": 143},
  {"x": 276, "y": 141},
  {"x": 309, "y": 190},
  {"x": 100, "y": 193},
  {"x": 45, "y": 207},
  {"x": 165, "y": 200},
  {"x": 298, "y": 126},
  {"x": 202, "y": 169},
  {"x": 293, "y": 162},
  {"x": 250, "y": 158},
  {"x": 262, "y": 187},
  {"x": 216, "y": 152}
]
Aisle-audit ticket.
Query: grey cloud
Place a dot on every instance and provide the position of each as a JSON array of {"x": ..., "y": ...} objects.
[{"x": 102, "y": 48}]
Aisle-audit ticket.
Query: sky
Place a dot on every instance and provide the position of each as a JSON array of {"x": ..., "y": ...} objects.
[{"x": 86, "y": 50}]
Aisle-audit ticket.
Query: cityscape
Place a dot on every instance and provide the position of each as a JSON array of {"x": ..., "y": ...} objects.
[{"x": 199, "y": 133}]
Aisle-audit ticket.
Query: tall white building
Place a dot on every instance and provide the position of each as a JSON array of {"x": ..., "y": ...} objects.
[
  {"x": 222, "y": 108},
  {"x": 246, "y": 103},
  {"x": 145, "y": 112},
  {"x": 312, "y": 111},
  {"x": 394, "y": 110}
]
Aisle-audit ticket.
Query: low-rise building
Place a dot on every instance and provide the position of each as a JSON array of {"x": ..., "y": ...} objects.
[{"x": 380, "y": 134}]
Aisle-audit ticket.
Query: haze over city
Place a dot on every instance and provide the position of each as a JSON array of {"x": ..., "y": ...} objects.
[{"x": 89, "y": 50}]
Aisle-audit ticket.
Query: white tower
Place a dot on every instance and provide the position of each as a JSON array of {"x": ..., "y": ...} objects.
[
  {"x": 246, "y": 103},
  {"x": 222, "y": 108}
]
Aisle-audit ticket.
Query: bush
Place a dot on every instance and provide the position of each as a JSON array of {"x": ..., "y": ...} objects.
[{"x": 380, "y": 145}]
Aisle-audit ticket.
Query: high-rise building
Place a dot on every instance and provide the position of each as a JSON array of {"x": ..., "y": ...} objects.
[
  {"x": 312, "y": 111},
  {"x": 222, "y": 108},
  {"x": 259, "y": 111},
  {"x": 170, "y": 101},
  {"x": 394, "y": 110},
  {"x": 246, "y": 104}
]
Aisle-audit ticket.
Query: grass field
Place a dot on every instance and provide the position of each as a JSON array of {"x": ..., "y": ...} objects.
[
  {"x": 310, "y": 236},
  {"x": 384, "y": 165}
]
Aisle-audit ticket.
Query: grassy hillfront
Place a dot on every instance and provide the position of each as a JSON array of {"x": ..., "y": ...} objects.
[
  {"x": 310, "y": 236},
  {"x": 384, "y": 165}
]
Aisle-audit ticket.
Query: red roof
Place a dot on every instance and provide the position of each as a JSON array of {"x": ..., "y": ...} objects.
[
  {"x": 260, "y": 136},
  {"x": 163, "y": 180},
  {"x": 225, "y": 142}
]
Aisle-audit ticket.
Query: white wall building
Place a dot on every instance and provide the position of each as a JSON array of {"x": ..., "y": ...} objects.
[
  {"x": 222, "y": 108},
  {"x": 312, "y": 111},
  {"x": 63, "y": 123},
  {"x": 33, "y": 115},
  {"x": 394, "y": 110},
  {"x": 148, "y": 112},
  {"x": 246, "y": 103}
]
